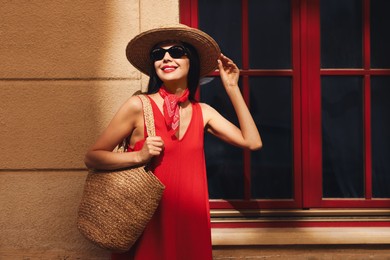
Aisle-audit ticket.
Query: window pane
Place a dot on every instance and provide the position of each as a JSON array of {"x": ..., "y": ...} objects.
[
  {"x": 271, "y": 167},
  {"x": 222, "y": 20},
  {"x": 270, "y": 34},
  {"x": 380, "y": 37},
  {"x": 341, "y": 33},
  {"x": 380, "y": 122},
  {"x": 342, "y": 137},
  {"x": 224, "y": 162}
]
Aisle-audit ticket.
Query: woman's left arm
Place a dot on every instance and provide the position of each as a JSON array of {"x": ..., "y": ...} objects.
[{"x": 247, "y": 136}]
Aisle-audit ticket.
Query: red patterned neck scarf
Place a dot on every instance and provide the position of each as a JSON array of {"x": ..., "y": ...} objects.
[{"x": 171, "y": 107}]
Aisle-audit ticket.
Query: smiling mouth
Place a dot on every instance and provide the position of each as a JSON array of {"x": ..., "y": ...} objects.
[{"x": 168, "y": 69}]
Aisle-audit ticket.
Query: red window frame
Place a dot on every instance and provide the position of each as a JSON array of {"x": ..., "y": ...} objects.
[
  {"x": 306, "y": 74},
  {"x": 311, "y": 89}
]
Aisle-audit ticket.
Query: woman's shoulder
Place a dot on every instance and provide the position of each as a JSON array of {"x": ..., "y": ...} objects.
[
  {"x": 207, "y": 111},
  {"x": 205, "y": 107},
  {"x": 133, "y": 105}
]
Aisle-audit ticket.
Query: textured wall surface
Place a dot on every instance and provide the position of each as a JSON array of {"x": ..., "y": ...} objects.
[{"x": 63, "y": 74}]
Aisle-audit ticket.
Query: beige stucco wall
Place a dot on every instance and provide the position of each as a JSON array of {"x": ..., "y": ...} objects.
[{"x": 63, "y": 73}]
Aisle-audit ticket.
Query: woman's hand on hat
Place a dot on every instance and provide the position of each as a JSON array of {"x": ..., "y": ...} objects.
[
  {"x": 228, "y": 71},
  {"x": 153, "y": 146}
]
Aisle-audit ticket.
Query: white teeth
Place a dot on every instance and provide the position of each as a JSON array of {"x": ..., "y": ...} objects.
[{"x": 168, "y": 69}]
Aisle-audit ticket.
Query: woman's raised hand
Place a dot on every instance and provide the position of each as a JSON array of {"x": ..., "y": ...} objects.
[{"x": 229, "y": 72}]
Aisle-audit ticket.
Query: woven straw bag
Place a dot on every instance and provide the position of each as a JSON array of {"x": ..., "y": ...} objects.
[{"x": 117, "y": 205}]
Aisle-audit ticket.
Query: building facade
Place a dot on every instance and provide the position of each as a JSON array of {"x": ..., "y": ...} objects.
[{"x": 315, "y": 74}]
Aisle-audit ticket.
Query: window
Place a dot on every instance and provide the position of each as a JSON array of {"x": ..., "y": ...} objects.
[{"x": 316, "y": 76}]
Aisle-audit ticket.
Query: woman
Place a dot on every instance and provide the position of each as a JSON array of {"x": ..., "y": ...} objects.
[{"x": 175, "y": 58}]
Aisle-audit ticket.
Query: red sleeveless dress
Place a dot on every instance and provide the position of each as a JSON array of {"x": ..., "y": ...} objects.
[{"x": 180, "y": 228}]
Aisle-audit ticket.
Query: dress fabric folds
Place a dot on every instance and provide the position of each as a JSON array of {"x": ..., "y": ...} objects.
[{"x": 180, "y": 228}]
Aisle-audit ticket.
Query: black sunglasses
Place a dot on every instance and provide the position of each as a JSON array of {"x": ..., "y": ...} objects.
[{"x": 175, "y": 52}]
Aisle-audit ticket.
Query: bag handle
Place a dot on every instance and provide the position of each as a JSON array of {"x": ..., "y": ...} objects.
[
  {"x": 148, "y": 115},
  {"x": 149, "y": 123}
]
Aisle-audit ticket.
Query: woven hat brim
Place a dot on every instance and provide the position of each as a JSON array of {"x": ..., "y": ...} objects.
[{"x": 138, "y": 49}]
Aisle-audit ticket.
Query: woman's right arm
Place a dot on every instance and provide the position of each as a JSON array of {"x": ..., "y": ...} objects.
[{"x": 128, "y": 120}]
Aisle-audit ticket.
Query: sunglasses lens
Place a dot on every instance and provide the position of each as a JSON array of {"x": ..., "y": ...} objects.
[
  {"x": 157, "y": 54},
  {"x": 175, "y": 52}
]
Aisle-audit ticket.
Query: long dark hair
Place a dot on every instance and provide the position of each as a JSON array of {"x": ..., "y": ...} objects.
[{"x": 192, "y": 78}]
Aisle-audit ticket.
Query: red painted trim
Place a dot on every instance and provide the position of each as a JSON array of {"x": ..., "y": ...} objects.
[
  {"x": 252, "y": 204},
  {"x": 194, "y": 14},
  {"x": 247, "y": 153},
  {"x": 188, "y": 12},
  {"x": 296, "y": 106},
  {"x": 185, "y": 9},
  {"x": 343, "y": 72},
  {"x": 380, "y": 72},
  {"x": 306, "y": 201},
  {"x": 291, "y": 204},
  {"x": 312, "y": 111},
  {"x": 315, "y": 100},
  {"x": 257, "y": 72},
  {"x": 367, "y": 137},
  {"x": 354, "y": 72},
  {"x": 366, "y": 35},
  {"x": 367, "y": 99},
  {"x": 297, "y": 224},
  {"x": 355, "y": 203},
  {"x": 245, "y": 90},
  {"x": 245, "y": 34}
]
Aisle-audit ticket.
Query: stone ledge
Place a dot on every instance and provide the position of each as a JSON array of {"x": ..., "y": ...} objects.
[
  {"x": 42, "y": 254},
  {"x": 304, "y": 252},
  {"x": 300, "y": 236}
]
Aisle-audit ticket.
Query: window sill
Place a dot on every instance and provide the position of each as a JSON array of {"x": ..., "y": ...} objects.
[
  {"x": 300, "y": 236},
  {"x": 300, "y": 227}
]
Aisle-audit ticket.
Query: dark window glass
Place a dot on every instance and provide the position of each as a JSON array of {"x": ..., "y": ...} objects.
[
  {"x": 380, "y": 121},
  {"x": 271, "y": 167},
  {"x": 342, "y": 137},
  {"x": 341, "y": 33},
  {"x": 380, "y": 36},
  {"x": 270, "y": 34},
  {"x": 222, "y": 20},
  {"x": 224, "y": 162}
]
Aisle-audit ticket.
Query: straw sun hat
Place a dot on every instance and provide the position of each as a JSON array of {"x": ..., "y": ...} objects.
[{"x": 139, "y": 48}]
